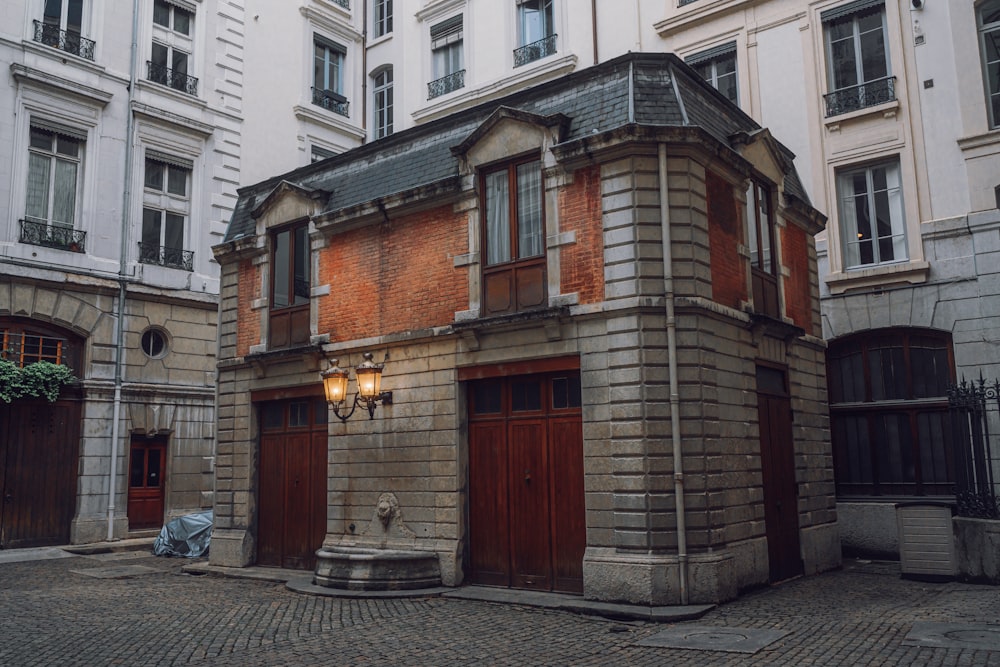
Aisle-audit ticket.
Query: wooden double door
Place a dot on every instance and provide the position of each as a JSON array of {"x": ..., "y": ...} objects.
[
  {"x": 147, "y": 482},
  {"x": 527, "y": 526},
  {"x": 39, "y": 459},
  {"x": 292, "y": 470}
]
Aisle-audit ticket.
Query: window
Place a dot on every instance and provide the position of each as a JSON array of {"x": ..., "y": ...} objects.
[
  {"x": 513, "y": 238},
  {"x": 381, "y": 17},
  {"x": 857, "y": 57},
  {"x": 317, "y": 153},
  {"x": 446, "y": 57},
  {"x": 289, "y": 316},
  {"x": 718, "y": 67},
  {"x": 871, "y": 215},
  {"x": 382, "y": 107},
  {"x": 154, "y": 343},
  {"x": 55, "y": 163},
  {"x": 889, "y": 412},
  {"x": 165, "y": 208},
  {"x": 761, "y": 237},
  {"x": 23, "y": 342},
  {"x": 536, "y": 36},
  {"x": 170, "y": 54},
  {"x": 328, "y": 72},
  {"x": 61, "y": 27},
  {"x": 989, "y": 41}
]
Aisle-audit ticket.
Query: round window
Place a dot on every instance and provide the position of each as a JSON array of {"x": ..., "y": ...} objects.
[{"x": 154, "y": 343}]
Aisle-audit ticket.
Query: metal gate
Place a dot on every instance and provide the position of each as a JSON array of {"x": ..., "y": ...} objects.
[{"x": 975, "y": 423}]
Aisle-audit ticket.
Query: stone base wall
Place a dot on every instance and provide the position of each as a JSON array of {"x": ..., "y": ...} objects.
[{"x": 977, "y": 548}]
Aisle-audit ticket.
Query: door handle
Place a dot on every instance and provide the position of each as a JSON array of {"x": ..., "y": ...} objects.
[{"x": 527, "y": 477}]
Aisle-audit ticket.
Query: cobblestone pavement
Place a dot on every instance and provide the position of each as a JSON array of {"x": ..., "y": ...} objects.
[{"x": 50, "y": 614}]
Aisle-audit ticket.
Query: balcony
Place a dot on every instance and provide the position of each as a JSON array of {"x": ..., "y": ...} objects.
[
  {"x": 328, "y": 99},
  {"x": 869, "y": 94},
  {"x": 168, "y": 77},
  {"x": 681, "y": 3},
  {"x": 173, "y": 258},
  {"x": 535, "y": 51},
  {"x": 52, "y": 236},
  {"x": 446, "y": 84},
  {"x": 346, "y": 4},
  {"x": 64, "y": 40}
]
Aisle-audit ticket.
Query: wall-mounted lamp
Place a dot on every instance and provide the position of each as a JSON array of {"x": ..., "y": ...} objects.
[{"x": 369, "y": 394}]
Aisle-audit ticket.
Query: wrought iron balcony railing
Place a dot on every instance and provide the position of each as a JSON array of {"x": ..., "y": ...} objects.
[
  {"x": 867, "y": 94},
  {"x": 535, "y": 51},
  {"x": 174, "y": 258},
  {"x": 346, "y": 4},
  {"x": 64, "y": 40},
  {"x": 42, "y": 233},
  {"x": 328, "y": 99},
  {"x": 681, "y": 3},
  {"x": 168, "y": 77},
  {"x": 446, "y": 84}
]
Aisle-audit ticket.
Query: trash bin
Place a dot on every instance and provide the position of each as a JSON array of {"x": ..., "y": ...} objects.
[{"x": 926, "y": 540}]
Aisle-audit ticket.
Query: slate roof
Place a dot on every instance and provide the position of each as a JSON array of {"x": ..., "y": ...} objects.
[{"x": 655, "y": 89}]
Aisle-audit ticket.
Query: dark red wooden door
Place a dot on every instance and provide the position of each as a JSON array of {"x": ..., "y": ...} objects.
[
  {"x": 146, "y": 484},
  {"x": 526, "y": 505},
  {"x": 291, "y": 521},
  {"x": 39, "y": 459},
  {"x": 777, "y": 457}
]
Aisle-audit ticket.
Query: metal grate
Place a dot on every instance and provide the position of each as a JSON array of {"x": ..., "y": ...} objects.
[
  {"x": 52, "y": 236},
  {"x": 64, "y": 40},
  {"x": 174, "y": 258},
  {"x": 446, "y": 84},
  {"x": 535, "y": 51},
  {"x": 330, "y": 100},
  {"x": 975, "y": 419},
  {"x": 168, "y": 77},
  {"x": 866, "y": 95}
]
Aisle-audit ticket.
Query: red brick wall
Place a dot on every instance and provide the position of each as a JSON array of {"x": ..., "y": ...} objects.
[
  {"x": 247, "y": 319},
  {"x": 729, "y": 278},
  {"x": 795, "y": 255},
  {"x": 394, "y": 277},
  {"x": 582, "y": 264}
]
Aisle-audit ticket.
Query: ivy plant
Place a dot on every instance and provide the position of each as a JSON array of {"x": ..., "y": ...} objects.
[{"x": 41, "y": 379}]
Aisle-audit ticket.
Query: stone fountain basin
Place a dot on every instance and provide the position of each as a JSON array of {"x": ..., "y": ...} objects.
[{"x": 371, "y": 569}]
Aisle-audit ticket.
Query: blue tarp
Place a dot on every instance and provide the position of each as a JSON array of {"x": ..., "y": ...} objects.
[{"x": 186, "y": 536}]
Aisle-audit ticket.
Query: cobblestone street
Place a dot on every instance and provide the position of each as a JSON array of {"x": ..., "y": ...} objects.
[{"x": 149, "y": 612}]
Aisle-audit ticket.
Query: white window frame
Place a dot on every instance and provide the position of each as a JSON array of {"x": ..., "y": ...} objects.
[
  {"x": 382, "y": 103},
  {"x": 174, "y": 42},
  {"x": 712, "y": 58},
  {"x": 64, "y": 16},
  {"x": 548, "y": 21},
  {"x": 853, "y": 240},
  {"x": 856, "y": 36},
  {"x": 990, "y": 31},
  {"x": 337, "y": 64},
  {"x": 55, "y": 158},
  {"x": 167, "y": 202},
  {"x": 450, "y": 46},
  {"x": 381, "y": 18}
]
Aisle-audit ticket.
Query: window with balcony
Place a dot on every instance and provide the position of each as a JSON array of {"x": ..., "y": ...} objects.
[
  {"x": 382, "y": 103},
  {"x": 858, "y": 69},
  {"x": 536, "y": 37},
  {"x": 328, "y": 76},
  {"x": 871, "y": 215},
  {"x": 446, "y": 57},
  {"x": 760, "y": 239},
  {"x": 170, "y": 54},
  {"x": 62, "y": 27},
  {"x": 718, "y": 67},
  {"x": 889, "y": 412},
  {"x": 513, "y": 238},
  {"x": 289, "y": 306},
  {"x": 166, "y": 207},
  {"x": 988, "y": 17},
  {"x": 381, "y": 17},
  {"x": 55, "y": 166}
]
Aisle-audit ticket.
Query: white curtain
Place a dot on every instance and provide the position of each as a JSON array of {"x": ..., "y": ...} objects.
[
  {"x": 529, "y": 210},
  {"x": 64, "y": 201},
  {"x": 848, "y": 221},
  {"x": 38, "y": 187},
  {"x": 497, "y": 218},
  {"x": 895, "y": 193}
]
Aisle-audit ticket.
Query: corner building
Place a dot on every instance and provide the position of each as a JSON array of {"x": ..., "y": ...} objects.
[{"x": 597, "y": 306}]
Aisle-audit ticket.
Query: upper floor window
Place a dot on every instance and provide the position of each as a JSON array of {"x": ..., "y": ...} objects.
[
  {"x": 536, "y": 37},
  {"x": 290, "y": 283},
  {"x": 446, "y": 57},
  {"x": 988, "y": 17},
  {"x": 718, "y": 67},
  {"x": 513, "y": 238},
  {"x": 857, "y": 58},
  {"x": 166, "y": 207},
  {"x": 328, "y": 76},
  {"x": 760, "y": 237},
  {"x": 55, "y": 163},
  {"x": 381, "y": 17},
  {"x": 170, "y": 54},
  {"x": 62, "y": 26},
  {"x": 318, "y": 153},
  {"x": 382, "y": 107},
  {"x": 871, "y": 215}
]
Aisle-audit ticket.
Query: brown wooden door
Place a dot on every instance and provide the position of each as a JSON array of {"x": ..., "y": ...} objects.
[
  {"x": 526, "y": 505},
  {"x": 777, "y": 456},
  {"x": 39, "y": 458},
  {"x": 146, "y": 482},
  {"x": 291, "y": 521}
]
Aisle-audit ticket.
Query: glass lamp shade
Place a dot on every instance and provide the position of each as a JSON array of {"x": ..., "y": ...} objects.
[
  {"x": 335, "y": 384},
  {"x": 369, "y": 377}
]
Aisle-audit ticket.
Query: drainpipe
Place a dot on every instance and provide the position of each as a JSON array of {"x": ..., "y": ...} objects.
[
  {"x": 675, "y": 402},
  {"x": 122, "y": 275},
  {"x": 364, "y": 72},
  {"x": 593, "y": 26}
]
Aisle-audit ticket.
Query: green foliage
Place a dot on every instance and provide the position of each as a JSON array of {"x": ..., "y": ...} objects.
[{"x": 41, "y": 379}]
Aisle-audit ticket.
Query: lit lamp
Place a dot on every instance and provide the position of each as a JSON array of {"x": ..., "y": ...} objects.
[{"x": 369, "y": 375}]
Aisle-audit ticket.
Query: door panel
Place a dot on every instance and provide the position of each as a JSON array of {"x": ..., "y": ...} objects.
[
  {"x": 528, "y": 504},
  {"x": 569, "y": 528},
  {"x": 146, "y": 489},
  {"x": 488, "y": 543}
]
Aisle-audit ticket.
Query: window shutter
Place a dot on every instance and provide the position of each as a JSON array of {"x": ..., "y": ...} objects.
[
  {"x": 72, "y": 133},
  {"x": 711, "y": 54},
  {"x": 851, "y": 8},
  {"x": 171, "y": 160},
  {"x": 446, "y": 32}
]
